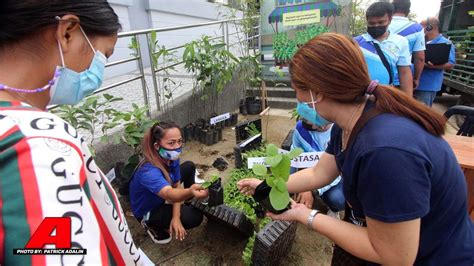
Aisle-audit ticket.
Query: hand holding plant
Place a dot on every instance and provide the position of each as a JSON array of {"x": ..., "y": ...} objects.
[
  {"x": 279, "y": 172},
  {"x": 199, "y": 192},
  {"x": 298, "y": 212}
]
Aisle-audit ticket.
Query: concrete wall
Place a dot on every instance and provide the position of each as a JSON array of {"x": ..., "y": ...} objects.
[
  {"x": 187, "y": 108},
  {"x": 146, "y": 14}
]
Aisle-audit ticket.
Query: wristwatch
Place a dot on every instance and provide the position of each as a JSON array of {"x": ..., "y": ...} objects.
[{"x": 310, "y": 219}]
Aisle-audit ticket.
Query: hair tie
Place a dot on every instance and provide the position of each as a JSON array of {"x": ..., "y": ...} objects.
[{"x": 372, "y": 86}]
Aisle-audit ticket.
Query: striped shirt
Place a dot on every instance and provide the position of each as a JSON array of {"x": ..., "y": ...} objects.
[
  {"x": 412, "y": 31},
  {"x": 47, "y": 170},
  {"x": 395, "y": 49}
]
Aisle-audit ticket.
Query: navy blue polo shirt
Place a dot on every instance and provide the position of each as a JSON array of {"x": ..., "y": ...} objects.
[
  {"x": 396, "y": 171},
  {"x": 146, "y": 183}
]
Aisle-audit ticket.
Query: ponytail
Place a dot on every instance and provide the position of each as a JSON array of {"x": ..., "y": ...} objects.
[
  {"x": 333, "y": 65},
  {"x": 391, "y": 100},
  {"x": 151, "y": 155}
]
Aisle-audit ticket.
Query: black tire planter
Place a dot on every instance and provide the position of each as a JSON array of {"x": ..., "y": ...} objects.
[
  {"x": 273, "y": 242},
  {"x": 215, "y": 136},
  {"x": 243, "y": 109},
  {"x": 209, "y": 138},
  {"x": 228, "y": 122},
  {"x": 267, "y": 206},
  {"x": 238, "y": 157},
  {"x": 216, "y": 194},
  {"x": 234, "y": 119},
  {"x": 202, "y": 135},
  {"x": 188, "y": 132},
  {"x": 219, "y": 134},
  {"x": 226, "y": 215},
  {"x": 254, "y": 107}
]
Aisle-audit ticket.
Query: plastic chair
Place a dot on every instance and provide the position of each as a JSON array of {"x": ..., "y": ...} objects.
[{"x": 467, "y": 128}]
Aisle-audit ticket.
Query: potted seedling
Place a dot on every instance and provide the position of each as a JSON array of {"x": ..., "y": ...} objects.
[
  {"x": 273, "y": 194},
  {"x": 216, "y": 192}
]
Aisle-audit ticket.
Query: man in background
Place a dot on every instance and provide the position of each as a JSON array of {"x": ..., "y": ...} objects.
[
  {"x": 432, "y": 76},
  {"x": 387, "y": 55},
  {"x": 413, "y": 32}
]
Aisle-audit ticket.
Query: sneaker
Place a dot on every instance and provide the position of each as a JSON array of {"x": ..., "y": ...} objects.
[
  {"x": 157, "y": 236},
  {"x": 333, "y": 214}
]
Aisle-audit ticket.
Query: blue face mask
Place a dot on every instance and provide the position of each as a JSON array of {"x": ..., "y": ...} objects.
[
  {"x": 311, "y": 114},
  {"x": 71, "y": 87},
  {"x": 170, "y": 154}
]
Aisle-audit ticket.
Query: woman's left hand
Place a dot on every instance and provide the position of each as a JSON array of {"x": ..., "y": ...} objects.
[
  {"x": 177, "y": 228},
  {"x": 298, "y": 212}
]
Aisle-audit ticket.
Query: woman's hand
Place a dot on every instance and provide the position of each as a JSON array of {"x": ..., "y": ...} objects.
[
  {"x": 177, "y": 228},
  {"x": 247, "y": 185},
  {"x": 305, "y": 198},
  {"x": 199, "y": 192},
  {"x": 298, "y": 212}
]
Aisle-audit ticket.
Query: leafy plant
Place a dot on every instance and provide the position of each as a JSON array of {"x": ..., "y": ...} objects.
[
  {"x": 164, "y": 61},
  {"x": 135, "y": 123},
  {"x": 252, "y": 130},
  {"x": 89, "y": 114},
  {"x": 294, "y": 114},
  {"x": 133, "y": 45},
  {"x": 214, "y": 178},
  {"x": 279, "y": 172},
  {"x": 211, "y": 63},
  {"x": 247, "y": 253}
]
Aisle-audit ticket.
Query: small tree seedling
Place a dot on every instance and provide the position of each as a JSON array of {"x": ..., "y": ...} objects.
[
  {"x": 280, "y": 165},
  {"x": 210, "y": 182}
]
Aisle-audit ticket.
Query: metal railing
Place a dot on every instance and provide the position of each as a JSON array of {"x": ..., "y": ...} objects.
[
  {"x": 461, "y": 77},
  {"x": 139, "y": 56}
]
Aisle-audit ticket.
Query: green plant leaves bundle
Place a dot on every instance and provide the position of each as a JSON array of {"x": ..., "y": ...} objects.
[
  {"x": 278, "y": 175},
  {"x": 214, "y": 178}
]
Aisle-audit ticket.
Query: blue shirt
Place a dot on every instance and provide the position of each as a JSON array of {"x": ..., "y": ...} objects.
[
  {"x": 432, "y": 79},
  {"x": 311, "y": 141},
  {"x": 395, "y": 49},
  {"x": 412, "y": 31},
  {"x": 400, "y": 175},
  {"x": 146, "y": 183}
]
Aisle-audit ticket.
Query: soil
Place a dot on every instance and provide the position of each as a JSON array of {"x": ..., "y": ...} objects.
[{"x": 213, "y": 243}]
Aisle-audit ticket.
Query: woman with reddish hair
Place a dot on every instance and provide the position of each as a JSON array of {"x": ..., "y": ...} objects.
[{"x": 406, "y": 197}]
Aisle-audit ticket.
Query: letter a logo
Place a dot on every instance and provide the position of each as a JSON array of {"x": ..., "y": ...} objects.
[{"x": 43, "y": 234}]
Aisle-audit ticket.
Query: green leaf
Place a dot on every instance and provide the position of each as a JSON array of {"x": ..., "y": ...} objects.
[
  {"x": 272, "y": 150},
  {"x": 270, "y": 180},
  {"x": 295, "y": 153},
  {"x": 108, "y": 96},
  {"x": 280, "y": 185},
  {"x": 273, "y": 160},
  {"x": 135, "y": 159},
  {"x": 207, "y": 184},
  {"x": 279, "y": 200},
  {"x": 259, "y": 169},
  {"x": 282, "y": 170}
]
